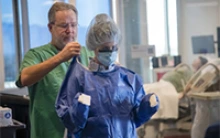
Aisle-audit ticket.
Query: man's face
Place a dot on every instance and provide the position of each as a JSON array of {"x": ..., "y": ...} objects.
[{"x": 64, "y": 28}]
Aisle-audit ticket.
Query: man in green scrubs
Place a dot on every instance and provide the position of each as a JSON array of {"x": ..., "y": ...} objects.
[{"x": 43, "y": 70}]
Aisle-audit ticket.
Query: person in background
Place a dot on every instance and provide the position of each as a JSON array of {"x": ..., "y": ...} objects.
[
  {"x": 43, "y": 70},
  {"x": 104, "y": 100},
  {"x": 198, "y": 63}
]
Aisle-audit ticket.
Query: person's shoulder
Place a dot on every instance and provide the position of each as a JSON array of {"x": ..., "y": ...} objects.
[
  {"x": 43, "y": 50},
  {"x": 131, "y": 76},
  {"x": 126, "y": 70},
  {"x": 37, "y": 52},
  {"x": 40, "y": 48},
  {"x": 84, "y": 49}
]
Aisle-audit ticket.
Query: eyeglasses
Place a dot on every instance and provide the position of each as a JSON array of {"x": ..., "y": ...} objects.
[
  {"x": 64, "y": 26},
  {"x": 108, "y": 48}
]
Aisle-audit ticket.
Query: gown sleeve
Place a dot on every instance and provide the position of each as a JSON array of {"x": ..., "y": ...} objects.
[
  {"x": 72, "y": 113},
  {"x": 143, "y": 110}
]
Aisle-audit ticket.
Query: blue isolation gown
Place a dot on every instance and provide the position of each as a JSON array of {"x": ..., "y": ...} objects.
[{"x": 118, "y": 103}]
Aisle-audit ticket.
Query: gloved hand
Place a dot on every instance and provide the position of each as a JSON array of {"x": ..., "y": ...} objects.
[
  {"x": 152, "y": 103},
  {"x": 148, "y": 107},
  {"x": 153, "y": 100},
  {"x": 85, "y": 99}
]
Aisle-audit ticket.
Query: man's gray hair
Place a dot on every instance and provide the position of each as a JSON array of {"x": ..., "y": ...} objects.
[{"x": 60, "y": 6}]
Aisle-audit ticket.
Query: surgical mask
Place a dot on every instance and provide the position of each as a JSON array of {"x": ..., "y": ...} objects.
[{"x": 107, "y": 58}]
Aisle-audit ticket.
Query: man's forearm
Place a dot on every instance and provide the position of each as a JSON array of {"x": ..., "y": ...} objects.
[{"x": 33, "y": 74}]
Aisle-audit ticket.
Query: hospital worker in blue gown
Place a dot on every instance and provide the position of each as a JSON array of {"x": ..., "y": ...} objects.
[{"x": 104, "y": 100}]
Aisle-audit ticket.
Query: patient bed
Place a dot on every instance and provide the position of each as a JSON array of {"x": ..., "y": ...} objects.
[
  {"x": 177, "y": 110},
  {"x": 173, "y": 113},
  {"x": 168, "y": 116}
]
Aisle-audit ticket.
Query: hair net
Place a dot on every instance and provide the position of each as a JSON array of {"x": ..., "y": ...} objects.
[{"x": 101, "y": 30}]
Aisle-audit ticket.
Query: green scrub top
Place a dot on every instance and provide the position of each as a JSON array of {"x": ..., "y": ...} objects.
[{"x": 44, "y": 120}]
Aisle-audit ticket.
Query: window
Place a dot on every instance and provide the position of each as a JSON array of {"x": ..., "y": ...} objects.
[
  {"x": 172, "y": 27},
  {"x": 24, "y": 26},
  {"x": 37, "y": 17},
  {"x": 162, "y": 26},
  {"x": 147, "y": 22},
  {"x": 8, "y": 42},
  {"x": 156, "y": 26}
]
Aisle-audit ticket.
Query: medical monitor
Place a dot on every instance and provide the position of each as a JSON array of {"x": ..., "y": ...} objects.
[{"x": 203, "y": 44}]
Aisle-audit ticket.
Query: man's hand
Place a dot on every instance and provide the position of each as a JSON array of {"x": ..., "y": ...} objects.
[
  {"x": 33, "y": 74},
  {"x": 70, "y": 50}
]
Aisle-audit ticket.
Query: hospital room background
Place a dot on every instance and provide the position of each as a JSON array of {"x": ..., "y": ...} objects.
[{"x": 161, "y": 41}]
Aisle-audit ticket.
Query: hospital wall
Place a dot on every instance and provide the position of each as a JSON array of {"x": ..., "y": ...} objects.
[{"x": 195, "y": 18}]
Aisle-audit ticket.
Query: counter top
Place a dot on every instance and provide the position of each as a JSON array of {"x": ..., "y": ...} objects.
[
  {"x": 15, "y": 91},
  {"x": 14, "y": 96}
]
